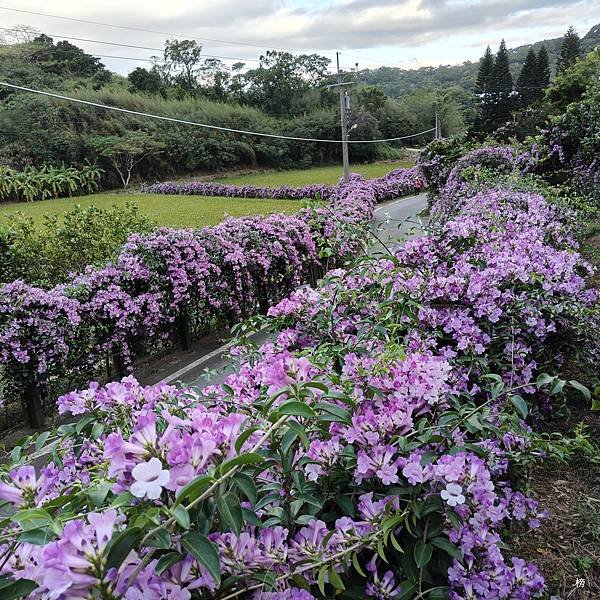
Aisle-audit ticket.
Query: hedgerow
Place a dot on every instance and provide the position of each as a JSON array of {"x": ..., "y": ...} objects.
[
  {"x": 172, "y": 285},
  {"x": 371, "y": 448}
]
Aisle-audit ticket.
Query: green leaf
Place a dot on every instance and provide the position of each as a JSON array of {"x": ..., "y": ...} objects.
[
  {"x": 252, "y": 458},
  {"x": 357, "y": 566},
  {"x": 295, "y": 408},
  {"x": 243, "y": 438},
  {"x": 84, "y": 422},
  {"x": 447, "y": 546},
  {"x": 97, "y": 493},
  {"x": 246, "y": 485},
  {"x": 32, "y": 518},
  {"x": 11, "y": 590},
  {"x": 337, "y": 413},
  {"x": 159, "y": 539},
  {"x": 182, "y": 516},
  {"x": 581, "y": 388},
  {"x": 38, "y": 537},
  {"x": 336, "y": 580},
  {"x": 166, "y": 561},
  {"x": 544, "y": 379},
  {"x": 321, "y": 579},
  {"x": 287, "y": 440},
  {"x": 408, "y": 589},
  {"x": 41, "y": 440},
  {"x": 423, "y": 552},
  {"x": 204, "y": 551},
  {"x": 121, "y": 545},
  {"x": 520, "y": 405},
  {"x": 193, "y": 489},
  {"x": 230, "y": 510}
]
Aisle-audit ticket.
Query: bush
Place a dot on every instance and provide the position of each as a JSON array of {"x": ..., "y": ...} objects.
[
  {"x": 371, "y": 448},
  {"x": 45, "y": 255},
  {"x": 171, "y": 285},
  {"x": 47, "y": 182}
]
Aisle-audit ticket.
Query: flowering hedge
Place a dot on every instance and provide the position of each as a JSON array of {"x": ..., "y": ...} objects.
[
  {"x": 175, "y": 280},
  {"x": 365, "y": 450},
  {"x": 398, "y": 182}
]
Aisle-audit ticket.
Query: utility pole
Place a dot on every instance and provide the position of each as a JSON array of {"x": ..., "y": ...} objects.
[
  {"x": 344, "y": 109},
  {"x": 438, "y": 127}
]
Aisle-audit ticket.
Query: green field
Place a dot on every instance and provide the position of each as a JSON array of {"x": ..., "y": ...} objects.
[
  {"x": 198, "y": 211},
  {"x": 170, "y": 211},
  {"x": 330, "y": 174}
]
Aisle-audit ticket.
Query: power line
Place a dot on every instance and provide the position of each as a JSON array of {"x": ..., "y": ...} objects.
[
  {"x": 78, "y": 39},
  {"x": 129, "y": 28},
  {"x": 205, "y": 125},
  {"x": 178, "y": 35}
]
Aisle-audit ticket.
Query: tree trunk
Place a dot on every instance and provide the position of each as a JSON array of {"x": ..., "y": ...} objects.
[{"x": 33, "y": 405}]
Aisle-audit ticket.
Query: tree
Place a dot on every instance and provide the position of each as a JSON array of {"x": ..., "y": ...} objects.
[
  {"x": 570, "y": 85},
  {"x": 570, "y": 50},
  {"x": 528, "y": 87},
  {"x": 126, "y": 151},
  {"x": 281, "y": 79},
  {"x": 484, "y": 76},
  {"x": 371, "y": 98},
  {"x": 501, "y": 87},
  {"x": 214, "y": 79},
  {"x": 183, "y": 57},
  {"x": 144, "y": 80},
  {"x": 543, "y": 68}
]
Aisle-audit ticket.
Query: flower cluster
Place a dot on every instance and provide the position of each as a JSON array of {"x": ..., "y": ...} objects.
[
  {"x": 367, "y": 445},
  {"x": 213, "y": 275},
  {"x": 398, "y": 182}
]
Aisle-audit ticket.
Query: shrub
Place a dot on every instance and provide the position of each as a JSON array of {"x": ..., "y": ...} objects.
[
  {"x": 364, "y": 450},
  {"x": 172, "y": 283},
  {"x": 45, "y": 255},
  {"x": 47, "y": 182}
]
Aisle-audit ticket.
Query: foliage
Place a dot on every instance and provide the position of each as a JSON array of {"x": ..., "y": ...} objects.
[
  {"x": 437, "y": 160},
  {"x": 46, "y": 255},
  {"x": 570, "y": 85},
  {"x": 126, "y": 151},
  {"x": 173, "y": 280},
  {"x": 371, "y": 448},
  {"x": 570, "y": 50},
  {"x": 47, "y": 182}
]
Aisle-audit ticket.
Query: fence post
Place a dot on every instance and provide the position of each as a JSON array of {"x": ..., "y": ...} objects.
[
  {"x": 33, "y": 405},
  {"x": 183, "y": 330}
]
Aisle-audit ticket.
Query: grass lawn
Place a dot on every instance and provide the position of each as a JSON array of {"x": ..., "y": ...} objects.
[
  {"x": 198, "y": 211},
  {"x": 298, "y": 177},
  {"x": 171, "y": 211}
]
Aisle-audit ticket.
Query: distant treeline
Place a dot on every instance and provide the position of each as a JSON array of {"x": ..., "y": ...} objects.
[{"x": 284, "y": 95}]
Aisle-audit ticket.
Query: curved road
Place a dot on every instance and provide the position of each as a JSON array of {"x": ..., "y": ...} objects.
[
  {"x": 396, "y": 221},
  {"x": 393, "y": 223}
]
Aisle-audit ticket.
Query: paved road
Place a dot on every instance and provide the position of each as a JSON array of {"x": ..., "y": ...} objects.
[
  {"x": 393, "y": 223},
  {"x": 397, "y": 221}
]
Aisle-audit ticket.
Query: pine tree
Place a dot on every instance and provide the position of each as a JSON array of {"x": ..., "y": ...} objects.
[
  {"x": 570, "y": 50},
  {"x": 501, "y": 86},
  {"x": 486, "y": 67},
  {"x": 543, "y": 68},
  {"x": 528, "y": 81}
]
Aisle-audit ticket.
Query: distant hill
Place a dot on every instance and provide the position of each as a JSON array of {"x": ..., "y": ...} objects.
[{"x": 396, "y": 82}]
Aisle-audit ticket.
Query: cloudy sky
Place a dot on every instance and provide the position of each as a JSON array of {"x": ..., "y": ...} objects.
[{"x": 406, "y": 33}]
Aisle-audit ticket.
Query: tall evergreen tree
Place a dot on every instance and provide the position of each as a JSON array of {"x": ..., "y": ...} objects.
[
  {"x": 528, "y": 81},
  {"x": 486, "y": 67},
  {"x": 543, "y": 68},
  {"x": 570, "y": 50},
  {"x": 501, "y": 86}
]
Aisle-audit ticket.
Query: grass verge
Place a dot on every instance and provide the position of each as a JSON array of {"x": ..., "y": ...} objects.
[{"x": 168, "y": 211}]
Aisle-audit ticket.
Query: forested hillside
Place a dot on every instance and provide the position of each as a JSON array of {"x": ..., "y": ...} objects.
[{"x": 397, "y": 82}]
